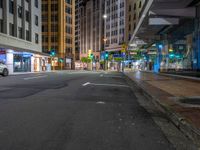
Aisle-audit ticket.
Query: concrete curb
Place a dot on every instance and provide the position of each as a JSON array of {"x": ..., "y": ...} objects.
[
  {"x": 180, "y": 122},
  {"x": 176, "y": 76}
]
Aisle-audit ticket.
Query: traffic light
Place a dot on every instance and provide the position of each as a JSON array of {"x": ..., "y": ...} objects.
[
  {"x": 61, "y": 60},
  {"x": 106, "y": 55},
  {"x": 52, "y": 53},
  {"x": 91, "y": 56}
]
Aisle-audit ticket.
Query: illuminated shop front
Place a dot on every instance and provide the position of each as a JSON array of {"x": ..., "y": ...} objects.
[
  {"x": 18, "y": 61},
  {"x": 22, "y": 62},
  {"x": 2, "y": 56}
]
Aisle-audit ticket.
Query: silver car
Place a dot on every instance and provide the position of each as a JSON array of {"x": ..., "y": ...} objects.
[{"x": 3, "y": 70}]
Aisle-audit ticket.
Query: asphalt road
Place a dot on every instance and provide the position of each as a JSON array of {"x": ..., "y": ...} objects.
[{"x": 75, "y": 111}]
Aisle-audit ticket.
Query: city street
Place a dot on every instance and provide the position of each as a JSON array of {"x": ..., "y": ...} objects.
[{"x": 75, "y": 111}]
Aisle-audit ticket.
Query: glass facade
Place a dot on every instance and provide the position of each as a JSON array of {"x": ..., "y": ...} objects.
[{"x": 22, "y": 63}]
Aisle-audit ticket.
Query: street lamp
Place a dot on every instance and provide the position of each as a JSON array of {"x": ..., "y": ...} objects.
[{"x": 105, "y": 16}]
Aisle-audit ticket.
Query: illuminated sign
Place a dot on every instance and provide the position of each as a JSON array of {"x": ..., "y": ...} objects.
[{"x": 2, "y": 51}]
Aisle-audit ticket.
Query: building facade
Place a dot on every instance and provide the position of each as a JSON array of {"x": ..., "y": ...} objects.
[
  {"x": 58, "y": 30},
  {"x": 133, "y": 11},
  {"x": 91, "y": 29},
  {"x": 114, "y": 24},
  {"x": 78, "y": 9},
  {"x": 20, "y": 36}
]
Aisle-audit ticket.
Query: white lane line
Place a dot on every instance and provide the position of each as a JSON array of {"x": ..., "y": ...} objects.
[
  {"x": 85, "y": 84},
  {"x": 107, "y": 76},
  {"x": 37, "y": 77},
  {"x": 101, "y": 75},
  {"x": 83, "y": 73},
  {"x": 100, "y": 102},
  {"x": 113, "y": 85}
]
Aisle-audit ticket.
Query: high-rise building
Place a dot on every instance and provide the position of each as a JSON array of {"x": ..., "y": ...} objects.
[
  {"x": 114, "y": 24},
  {"x": 91, "y": 28},
  {"x": 20, "y": 35},
  {"x": 133, "y": 12},
  {"x": 78, "y": 10},
  {"x": 58, "y": 30}
]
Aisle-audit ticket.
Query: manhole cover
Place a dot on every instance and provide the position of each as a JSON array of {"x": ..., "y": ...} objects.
[{"x": 192, "y": 101}]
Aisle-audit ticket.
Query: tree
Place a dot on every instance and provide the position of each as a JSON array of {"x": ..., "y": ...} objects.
[{"x": 86, "y": 60}]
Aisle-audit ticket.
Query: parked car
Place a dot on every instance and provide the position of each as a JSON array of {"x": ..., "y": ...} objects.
[{"x": 3, "y": 70}]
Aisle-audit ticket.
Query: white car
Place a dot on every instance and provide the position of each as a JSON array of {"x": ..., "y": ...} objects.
[{"x": 3, "y": 70}]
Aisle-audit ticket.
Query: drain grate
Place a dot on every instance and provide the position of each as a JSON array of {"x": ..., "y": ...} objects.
[{"x": 192, "y": 101}]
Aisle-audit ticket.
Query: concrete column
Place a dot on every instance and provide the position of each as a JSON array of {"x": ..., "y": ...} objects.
[
  {"x": 32, "y": 63},
  {"x": 9, "y": 60}
]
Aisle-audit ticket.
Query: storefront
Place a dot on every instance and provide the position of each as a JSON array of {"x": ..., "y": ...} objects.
[
  {"x": 3, "y": 56},
  {"x": 18, "y": 61},
  {"x": 21, "y": 62}
]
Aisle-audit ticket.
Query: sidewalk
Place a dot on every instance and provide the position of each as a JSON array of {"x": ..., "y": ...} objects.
[{"x": 165, "y": 92}]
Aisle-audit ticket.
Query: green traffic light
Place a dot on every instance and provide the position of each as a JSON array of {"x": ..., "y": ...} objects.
[
  {"x": 91, "y": 56},
  {"x": 106, "y": 55}
]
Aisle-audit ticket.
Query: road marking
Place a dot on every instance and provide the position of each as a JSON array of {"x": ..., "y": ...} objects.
[
  {"x": 84, "y": 72},
  {"x": 85, "y": 84},
  {"x": 101, "y": 75},
  {"x": 113, "y": 85},
  {"x": 107, "y": 76},
  {"x": 100, "y": 102},
  {"x": 37, "y": 77}
]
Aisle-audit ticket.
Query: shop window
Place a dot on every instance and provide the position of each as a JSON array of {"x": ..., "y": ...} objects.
[{"x": 22, "y": 63}]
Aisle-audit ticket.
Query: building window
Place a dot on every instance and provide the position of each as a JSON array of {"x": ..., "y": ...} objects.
[
  {"x": 54, "y": 7},
  {"x": 68, "y": 1},
  {"x": 135, "y": 6},
  {"x": 54, "y": 28},
  {"x": 36, "y": 20},
  {"x": 1, "y": 25},
  {"x": 68, "y": 10},
  {"x": 129, "y": 7},
  {"x": 11, "y": 6},
  {"x": 27, "y": 35},
  {"x": 36, "y": 3},
  {"x": 140, "y": 4},
  {"x": 20, "y": 32},
  {"x": 68, "y": 40},
  {"x": 27, "y": 16},
  {"x": 54, "y": 39},
  {"x": 11, "y": 29},
  {"x": 20, "y": 11},
  {"x": 68, "y": 30},
  {"x": 44, "y": 28},
  {"x": 1, "y": 3},
  {"x": 36, "y": 38},
  {"x": 44, "y": 7}
]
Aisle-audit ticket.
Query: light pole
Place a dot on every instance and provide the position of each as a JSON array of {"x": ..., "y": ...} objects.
[{"x": 105, "y": 16}]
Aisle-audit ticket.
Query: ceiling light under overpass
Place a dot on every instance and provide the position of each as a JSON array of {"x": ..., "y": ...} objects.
[{"x": 163, "y": 21}]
